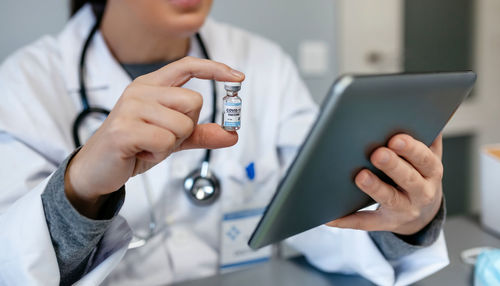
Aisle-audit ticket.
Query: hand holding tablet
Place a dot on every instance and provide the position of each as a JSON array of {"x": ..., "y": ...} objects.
[
  {"x": 354, "y": 131},
  {"x": 417, "y": 170}
]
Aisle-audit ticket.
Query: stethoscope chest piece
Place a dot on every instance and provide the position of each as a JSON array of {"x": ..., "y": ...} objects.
[{"x": 202, "y": 186}]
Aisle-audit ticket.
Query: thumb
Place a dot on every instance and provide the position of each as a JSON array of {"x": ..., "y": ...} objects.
[{"x": 209, "y": 136}]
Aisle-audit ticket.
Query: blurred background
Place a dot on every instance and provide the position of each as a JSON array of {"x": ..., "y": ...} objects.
[{"x": 327, "y": 38}]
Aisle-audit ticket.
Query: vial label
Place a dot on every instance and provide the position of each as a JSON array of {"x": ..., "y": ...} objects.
[{"x": 232, "y": 116}]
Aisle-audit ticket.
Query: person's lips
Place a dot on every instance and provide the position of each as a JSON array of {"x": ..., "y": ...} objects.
[{"x": 185, "y": 4}]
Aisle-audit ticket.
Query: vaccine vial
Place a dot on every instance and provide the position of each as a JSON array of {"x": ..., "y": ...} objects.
[{"x": 231, "y": 115}]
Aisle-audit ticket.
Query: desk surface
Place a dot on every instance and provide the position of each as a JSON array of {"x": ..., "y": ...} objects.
[
  {"x": 461, "y": 233},
  {"x": 289, "y": 272}
]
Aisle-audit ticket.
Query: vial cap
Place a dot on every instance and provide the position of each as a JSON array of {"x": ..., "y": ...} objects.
[{"x": 232, "y": 86}]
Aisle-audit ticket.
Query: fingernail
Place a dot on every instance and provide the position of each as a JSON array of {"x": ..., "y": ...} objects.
[
  {"x": 383, "y": 157},
  {"x": 398, "y": 144},
  {"x": 366, "y": 179},
  {"x": 237, "y": 73}
]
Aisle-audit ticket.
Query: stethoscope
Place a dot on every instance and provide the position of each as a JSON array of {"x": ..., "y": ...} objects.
[{"x": 201, "y": 185}]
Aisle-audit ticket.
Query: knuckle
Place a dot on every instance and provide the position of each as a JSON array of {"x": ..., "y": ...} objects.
[
  {"x": 169, "y": 141},
  {"x": 197, "y": 100},
  {"x": 165, "y": 140},
  {"x": 116, "y": 127},
  {"x": 117, "y": 130},
  {"x": 130, "y": 106},
  {"x": 131, "y": 90},
  {"x": 203, "y": 137},
  {"x": 156, "y": 138},
  {"x": 425, "y": 159},
  {"x": 133, "y": 101},
  {"x": 186, "y": 128},
  {"x": 393, "y": 200},
  {"x": 141, "y": 78},
  {"x": 413, "y": 213},
  {"x": 130, "y": 95},
  {"x": 411, "y": 148},
  {"x": 439, "y": 172},
  {"x": 226, "y": 67},
  {"x": 427, "y": 197},
  {"x": 374, "y": 188},
  {"x": 413, "y": 178},
  {"x": 189, "y": 126},
  {"x": 158, "y": 135},
  {"x": 392, "y": 164},
  {"x": 187, "y": 59}
]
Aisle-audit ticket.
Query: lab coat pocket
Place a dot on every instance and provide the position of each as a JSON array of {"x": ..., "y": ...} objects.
[
  {"x": 250, "y": 184},
  {"x": 247, "y": 189}
]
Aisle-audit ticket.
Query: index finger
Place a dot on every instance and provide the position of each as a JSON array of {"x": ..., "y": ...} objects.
[{"x": 179, "y": 72}]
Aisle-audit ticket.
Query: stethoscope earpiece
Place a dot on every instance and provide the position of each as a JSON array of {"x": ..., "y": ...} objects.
[{"x": 202, "y": 186}]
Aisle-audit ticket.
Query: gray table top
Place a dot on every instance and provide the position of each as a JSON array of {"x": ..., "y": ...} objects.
[
  {"x": 289, "y": 272},
  {"x": 461, "y": 233}
]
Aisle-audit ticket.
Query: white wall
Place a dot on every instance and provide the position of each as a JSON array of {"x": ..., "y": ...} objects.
[
  {"x": 367, "y": 27},
  {"x": 23, "y": 21},
  {"x": 291, "y": 23}
]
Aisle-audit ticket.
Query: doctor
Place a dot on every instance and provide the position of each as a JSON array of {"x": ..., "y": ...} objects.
[{"x": 63, "y": 212}]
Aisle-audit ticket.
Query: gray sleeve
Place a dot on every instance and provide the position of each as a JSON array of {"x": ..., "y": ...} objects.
[
  {"x": 74, "y": 236},
  {"x": 394, "y": 246}
]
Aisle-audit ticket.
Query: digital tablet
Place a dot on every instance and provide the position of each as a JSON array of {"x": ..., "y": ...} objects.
[{"x": 359, "y": 114}]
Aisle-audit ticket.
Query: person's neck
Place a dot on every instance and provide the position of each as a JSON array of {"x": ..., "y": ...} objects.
[{"x": 132, "y": 43}]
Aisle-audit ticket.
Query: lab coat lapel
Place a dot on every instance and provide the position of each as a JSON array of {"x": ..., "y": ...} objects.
[
  {"x": 218, "y": 51},
  {"x": 216, "y": 45},
  {"x": 105, "y": 78}
]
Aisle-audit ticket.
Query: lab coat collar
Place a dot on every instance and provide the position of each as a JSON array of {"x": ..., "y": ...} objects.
[
  {"x": 106, "y": 74},
  {"x": 219, "y": 48}
]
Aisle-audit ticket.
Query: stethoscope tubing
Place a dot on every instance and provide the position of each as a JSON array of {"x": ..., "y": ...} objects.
[{"x": 87, "y": 110}]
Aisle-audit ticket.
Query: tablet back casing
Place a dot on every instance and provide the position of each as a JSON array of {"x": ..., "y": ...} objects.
[{"x": 359, "y": 114}]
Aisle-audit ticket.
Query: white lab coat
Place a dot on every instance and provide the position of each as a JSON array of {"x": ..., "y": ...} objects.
[{"x": 39, "y": 101}]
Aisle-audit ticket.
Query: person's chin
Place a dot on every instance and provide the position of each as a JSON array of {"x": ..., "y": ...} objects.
[{"x": 186, "y": 24}]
